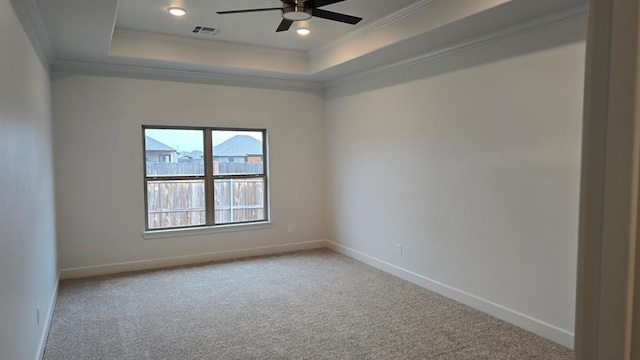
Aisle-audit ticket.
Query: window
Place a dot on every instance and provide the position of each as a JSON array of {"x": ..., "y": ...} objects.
[{"x": 190, "y": 182}]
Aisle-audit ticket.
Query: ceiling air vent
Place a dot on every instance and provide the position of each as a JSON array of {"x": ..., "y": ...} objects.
[{"x": 205, "y": 30}]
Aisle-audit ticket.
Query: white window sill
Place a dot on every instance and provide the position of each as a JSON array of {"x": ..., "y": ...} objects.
[{"x": 172, "y": 233}]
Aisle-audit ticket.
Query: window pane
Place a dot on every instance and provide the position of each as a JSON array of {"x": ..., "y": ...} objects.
[
  {"x": 171, "y": 152},
  {"x": 175, "y": 203},
  {"x": 239, "y": 200},
  {"x": 237, "y": 152}
]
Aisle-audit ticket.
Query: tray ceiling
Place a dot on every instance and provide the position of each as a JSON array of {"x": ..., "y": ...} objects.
[
  {"x": 140, "y": 37},
  {"x": 249, "y": 28}
]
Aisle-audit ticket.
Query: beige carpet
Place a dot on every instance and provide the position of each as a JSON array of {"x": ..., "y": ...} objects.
[{"x": 306, "y": 305}]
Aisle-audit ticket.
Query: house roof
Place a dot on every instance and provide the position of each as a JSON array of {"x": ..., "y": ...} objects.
[
  {"x": 195, "y": 154},
  {"x": 152, "y": 144},
  {"x": 239, "y": 145}
]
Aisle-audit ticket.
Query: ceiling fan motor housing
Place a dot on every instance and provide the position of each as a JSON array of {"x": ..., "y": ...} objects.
[
  {"x": 299, "y": 10},
  {"x": 296, "y": 13}
]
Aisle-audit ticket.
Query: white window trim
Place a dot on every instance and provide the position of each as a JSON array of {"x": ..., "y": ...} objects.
[{"x": 209, "y": 178}]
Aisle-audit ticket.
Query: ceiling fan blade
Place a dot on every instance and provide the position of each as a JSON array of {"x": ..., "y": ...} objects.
[
  {"x": 319, "y": 3},
  {"x": 330, "y": 15},
  {"x": 284, "y": 25},
  {"x": 248, "y": 10}
]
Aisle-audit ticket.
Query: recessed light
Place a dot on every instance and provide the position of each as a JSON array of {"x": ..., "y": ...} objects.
[
  {"x": 176, "y": 11},
  {"x": 303, "y": 31}
]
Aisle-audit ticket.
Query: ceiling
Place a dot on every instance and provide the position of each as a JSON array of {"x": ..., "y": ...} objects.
[
  {"x": 249, "y": 28},
  {"x": 140, "y": 37}
]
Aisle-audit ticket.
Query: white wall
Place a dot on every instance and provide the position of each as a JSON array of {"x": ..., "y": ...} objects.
[
  {"x": 27, "y": 231},
  {"x": 471, "y": 161},
  {"x": 99, "y": 163}
]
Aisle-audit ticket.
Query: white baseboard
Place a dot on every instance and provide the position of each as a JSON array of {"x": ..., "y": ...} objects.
[
  {"x": 47, "y": 321},
  {"x": 514, "y": 317},
  {"x": 79, "y": 272}
]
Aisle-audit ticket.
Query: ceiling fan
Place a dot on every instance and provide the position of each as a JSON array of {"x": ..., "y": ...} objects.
[{"x": 298, "y": 10}]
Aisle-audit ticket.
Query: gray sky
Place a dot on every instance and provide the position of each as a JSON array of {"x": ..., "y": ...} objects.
[{"x": 190, "y": 140}]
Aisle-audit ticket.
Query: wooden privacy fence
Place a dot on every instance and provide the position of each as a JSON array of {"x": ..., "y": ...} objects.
[
  {"x": 239, "y": 200},
  {"x": 182, "y": 203},
  {"x": 237, "y": 168},
  {"x": 175, "y": 203}
]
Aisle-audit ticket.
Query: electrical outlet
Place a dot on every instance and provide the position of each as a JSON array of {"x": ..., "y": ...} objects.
[
  {"x": 399, "y": 249},
  {"x": 289, "y": 229},
  {"x": 38, "y": 315}
]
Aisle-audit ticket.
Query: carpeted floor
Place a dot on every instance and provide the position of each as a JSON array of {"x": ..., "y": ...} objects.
[{"x": 307, "y": 305}]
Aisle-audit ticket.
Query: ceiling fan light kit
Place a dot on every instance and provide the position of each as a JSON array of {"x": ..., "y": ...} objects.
[
  {"x": 177, "y": 11},
  {"x": 300, "y": 10},
  {"x": 303, "y": 31},
  {"x": 296, "y": 13}
]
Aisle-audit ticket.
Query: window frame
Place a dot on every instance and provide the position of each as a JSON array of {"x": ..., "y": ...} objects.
[{"x": 209, "y": 177}]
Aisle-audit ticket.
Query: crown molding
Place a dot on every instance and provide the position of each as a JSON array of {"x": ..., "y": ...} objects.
[
  {"x": 64, "y": 68},
  {"x": 373, "y": 26},
  {"x": 563, "y": 16},
  {"x": 31, "y": 19}
]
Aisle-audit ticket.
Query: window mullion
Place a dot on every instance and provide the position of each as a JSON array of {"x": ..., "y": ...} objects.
[
  {"x": 174, "y": 178},
  {"x": 208, "y": 174},
  {"x": 238, "y": 176}
]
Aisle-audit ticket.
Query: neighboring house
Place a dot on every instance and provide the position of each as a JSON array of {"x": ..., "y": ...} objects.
[
  {"x": 240, "y": 148},
  {"x": 195, "y": 156},
  {"x": 155, "y": 151}
]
